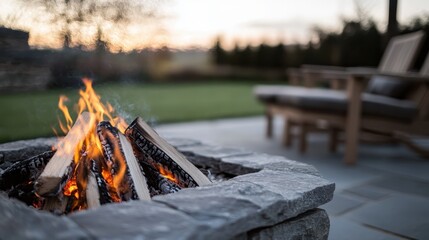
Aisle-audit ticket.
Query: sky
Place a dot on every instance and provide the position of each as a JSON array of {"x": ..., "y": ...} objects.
[{"x": 197, "y": 23}]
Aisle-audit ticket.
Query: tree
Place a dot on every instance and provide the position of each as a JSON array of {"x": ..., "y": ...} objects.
[
  {"x": 219, "y": 53},
  {"x": 69, "y": 17}
]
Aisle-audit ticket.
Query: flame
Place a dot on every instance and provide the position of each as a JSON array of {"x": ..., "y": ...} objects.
[
  {"x": 167, "y": 174},
  {"x": 91, "y": 146}
]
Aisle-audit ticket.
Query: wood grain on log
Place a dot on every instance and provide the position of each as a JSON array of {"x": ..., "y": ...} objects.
[
  {"x": 56, "y": 171},
  {"x": 146, "y": 141},
  {"x": 137, "y": 176}
]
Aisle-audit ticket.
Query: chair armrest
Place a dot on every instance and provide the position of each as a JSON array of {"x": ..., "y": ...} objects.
[{"x": 409, "y": 76}]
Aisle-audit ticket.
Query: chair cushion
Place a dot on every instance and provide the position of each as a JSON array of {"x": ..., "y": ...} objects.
[
  {"x": 326, "y": 100},
  {"x": 268, "y": 93},
  {"x": 388, "y": 86}
]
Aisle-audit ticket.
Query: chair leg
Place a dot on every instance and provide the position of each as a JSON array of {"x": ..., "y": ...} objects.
[
  {"x": 287, "y": 134},
  {"x": 353, "y": 121},
  {"x": 333, "y": 139},
  {"x": 303, "y": 137},
  {"x": 269, "y": 130}
]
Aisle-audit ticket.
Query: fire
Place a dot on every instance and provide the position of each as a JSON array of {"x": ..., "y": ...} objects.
[
  {"x": 167, "y": 174},
  {"x": 90, "y": 146},
  {"x": 90, "y": 101}
]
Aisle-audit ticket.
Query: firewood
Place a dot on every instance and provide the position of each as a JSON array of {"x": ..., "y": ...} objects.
[
  {"x": 96, "y": 191},
  {"x": 114, "y": 160},
  {"x": 118, "y": 151},
  {"x": 59, "y": 167},
  {"x": 24, "y": 171},
  {"x": 160, "y": 184},
  {"x": 92, "y": 193},
  {"x": 146, "y": 141},
  {"x": 56, "y": 205},
  {"x": 137, "y": 176},
  {"x": 25, "y": 193}
]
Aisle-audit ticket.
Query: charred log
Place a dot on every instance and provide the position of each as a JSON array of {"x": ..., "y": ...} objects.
[
  {"x": 24, "y": 171},
  {"x": 103, "y": 191},
  {"x": 119, "y": 154},
  {"x": 160, "y": 184},
  {"x": 147, "y": 141},
  {"x": 25, "y": 193}
]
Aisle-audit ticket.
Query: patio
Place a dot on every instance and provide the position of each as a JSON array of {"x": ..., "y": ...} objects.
[{"x": 385, "y": 196}]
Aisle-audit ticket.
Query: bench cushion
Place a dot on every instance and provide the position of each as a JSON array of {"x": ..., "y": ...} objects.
[{"x": 326, "y": 100}]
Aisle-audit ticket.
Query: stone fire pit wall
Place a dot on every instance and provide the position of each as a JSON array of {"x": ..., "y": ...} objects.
[{"x": 271, "y": 198}]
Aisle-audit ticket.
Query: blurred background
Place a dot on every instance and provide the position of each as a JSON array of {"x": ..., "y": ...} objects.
[{"x": 175, "y": 61}]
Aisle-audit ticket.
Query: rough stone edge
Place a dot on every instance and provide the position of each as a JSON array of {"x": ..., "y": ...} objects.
[
  {"x": 276, "y": 211},
  {"x": 294, "y": 228},
  {"x": 239, "y": 161},
  {"x": 61, "y": 227}
]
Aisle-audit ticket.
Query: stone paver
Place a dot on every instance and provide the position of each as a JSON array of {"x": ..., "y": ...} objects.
[
  {"x": 344, "y": 229},
  {"x": 341, "y": 204},
  {"x": 367, "y": 191},
  {"x": 404, "y": 215},
  {"x": 383, "y": 173}
]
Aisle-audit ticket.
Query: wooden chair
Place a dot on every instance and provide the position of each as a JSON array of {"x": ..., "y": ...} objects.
[
  {"x": 305, "y": 107},
  {"x": 397, "y": 58}
]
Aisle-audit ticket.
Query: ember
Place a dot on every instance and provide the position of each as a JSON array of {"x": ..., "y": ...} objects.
[{"x": 99, "y": 161}]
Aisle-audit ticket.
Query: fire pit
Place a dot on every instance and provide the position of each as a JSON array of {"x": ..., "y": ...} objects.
[
  {"x": 270, "y": 197},
  {"x": 134, "y": 184}
]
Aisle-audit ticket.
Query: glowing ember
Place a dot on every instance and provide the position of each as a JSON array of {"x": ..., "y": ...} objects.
[{"x": 167, "y": 174}]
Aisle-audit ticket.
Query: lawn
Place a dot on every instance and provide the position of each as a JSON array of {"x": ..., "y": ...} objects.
[{"x": 33, "y": 114}]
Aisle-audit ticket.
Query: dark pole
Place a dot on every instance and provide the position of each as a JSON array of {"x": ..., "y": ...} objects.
[{"x": 392, "y": 25}]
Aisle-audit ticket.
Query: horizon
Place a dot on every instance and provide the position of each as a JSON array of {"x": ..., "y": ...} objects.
[{"x": 196, "y": 24}]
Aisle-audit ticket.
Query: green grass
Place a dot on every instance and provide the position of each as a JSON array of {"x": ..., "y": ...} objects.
[{"x": 33, "y": 114}]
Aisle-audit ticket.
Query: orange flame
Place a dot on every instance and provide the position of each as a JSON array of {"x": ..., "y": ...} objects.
[
  {"x": 167, "y": 174},
  {"x": 90, "y": 101}
]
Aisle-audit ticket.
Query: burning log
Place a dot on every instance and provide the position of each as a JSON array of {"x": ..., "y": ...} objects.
[
  {"x": 97, "y": 191},
  {"x": 147, "y": 142},
  {"x": 60, "y": 166},
  {"x": 24, "y": 171},
  {"x": 119, "y": 155},
  {"x": 160, "y": 184}
]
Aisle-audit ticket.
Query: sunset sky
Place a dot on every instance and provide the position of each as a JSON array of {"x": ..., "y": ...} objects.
[{"x": 196, "y": 23}]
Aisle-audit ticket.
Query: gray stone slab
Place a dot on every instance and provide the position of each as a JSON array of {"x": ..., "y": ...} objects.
[
  {"x": 250, "y": 201},
  {"x": 367, "y": 191},
  {"x": 344, "y": 229},
  {"x": 341, "y": 204},
  {"x": 19, "y": 221},
  {"x": 137, "y": 220},
  {"x": 404, "y": 215},
  {"x": 311, "y": 225},
  {"x": 19, "y": 150},
  {"x": 403, "y": 185},
  {"x": 236, "y": 164}
]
